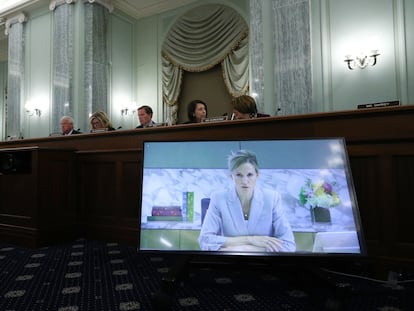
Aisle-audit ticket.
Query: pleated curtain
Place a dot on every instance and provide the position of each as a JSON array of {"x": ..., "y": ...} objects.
[{"x": 201, "y": 39}]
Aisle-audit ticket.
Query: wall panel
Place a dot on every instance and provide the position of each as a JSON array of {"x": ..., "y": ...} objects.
[
  {"x": 366, "y": 176},
  {"x": 38, "y": 70},
  {"x": 123, "y": 69},
  {"x": 37, "y": 202},
  {"x": 403, "y": 179}
]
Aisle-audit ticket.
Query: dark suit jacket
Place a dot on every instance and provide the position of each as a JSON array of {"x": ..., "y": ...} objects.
[
  {"x": 73, "y": 132},
  {"x": 152, "y": 123}
]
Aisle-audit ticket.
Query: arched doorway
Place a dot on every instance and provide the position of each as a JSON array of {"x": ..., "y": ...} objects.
[
  {"x": 207, "y": 86},
  {"x": 208, "y": 41}
]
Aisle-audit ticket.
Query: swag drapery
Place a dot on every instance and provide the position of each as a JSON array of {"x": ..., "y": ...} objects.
[{"x": 201, "y": 39}]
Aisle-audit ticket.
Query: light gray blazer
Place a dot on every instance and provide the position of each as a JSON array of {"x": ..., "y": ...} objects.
[{"x": 224, "y": 218}]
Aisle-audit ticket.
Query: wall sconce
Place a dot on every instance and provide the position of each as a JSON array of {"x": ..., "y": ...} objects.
[
  {"x": 362, "y": 60},
  {"x": 128, "y": 109},
  {"x": 32, "y": 109},
  {"x": 124, "y": 111}
]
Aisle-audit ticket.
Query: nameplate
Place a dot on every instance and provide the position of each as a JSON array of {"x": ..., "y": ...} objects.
[
  {"x": 377, "y": 105},
  {"x": 99, "y": 130},
  {"x": 10, "y": 138},
  {"x": 215, "y": 119}
]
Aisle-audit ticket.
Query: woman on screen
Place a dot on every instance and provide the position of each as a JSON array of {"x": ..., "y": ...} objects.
[{"x": 246, "y": 218}]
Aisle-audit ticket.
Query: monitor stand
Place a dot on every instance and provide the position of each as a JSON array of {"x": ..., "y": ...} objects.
[
  {"x": 307, "y": 275},
  {"x": 163, "y": 299}
]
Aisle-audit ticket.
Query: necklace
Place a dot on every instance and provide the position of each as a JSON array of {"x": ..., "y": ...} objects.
[{"x": 245, "y": 205}]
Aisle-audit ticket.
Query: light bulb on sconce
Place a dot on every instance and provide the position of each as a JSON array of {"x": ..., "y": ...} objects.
[
  {"x": 128, "y": 109},
  {"x": 124, "y": 111},
  {"x": 32, "y": 109},
  {"x": 362, "y": 60}
]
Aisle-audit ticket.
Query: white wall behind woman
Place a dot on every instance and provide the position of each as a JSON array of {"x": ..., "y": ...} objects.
[
  {"x": 149, "y": 71},
  {"x": 135, "y": 58},
  {"x": 341, "y": 26},
  {"x": 122, "y": 90},
  {"x": 37, "y": 83}
]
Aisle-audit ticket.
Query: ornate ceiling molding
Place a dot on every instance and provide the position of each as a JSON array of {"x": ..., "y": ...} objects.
[
  {"x": 105, "y": 3},
  {"x": 19, "y": 18},
  {"x": 55, "y": 3}
]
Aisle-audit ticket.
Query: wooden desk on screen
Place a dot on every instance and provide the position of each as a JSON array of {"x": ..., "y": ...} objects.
[{"x": 380, "y": 144}]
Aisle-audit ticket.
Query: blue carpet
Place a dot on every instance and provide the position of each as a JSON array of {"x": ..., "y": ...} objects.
[{"x": 94, "y": 275}]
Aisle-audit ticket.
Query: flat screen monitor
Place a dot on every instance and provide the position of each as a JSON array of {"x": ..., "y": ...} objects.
[{"x": 284, "y": 197}]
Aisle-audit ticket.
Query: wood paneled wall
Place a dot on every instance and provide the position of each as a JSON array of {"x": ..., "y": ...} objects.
[
  {"x": 37, "y": 205},
  {"x": 106, "y": 188}
]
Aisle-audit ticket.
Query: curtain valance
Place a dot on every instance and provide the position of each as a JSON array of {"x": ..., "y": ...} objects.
[{"x": 201, "y": 39}]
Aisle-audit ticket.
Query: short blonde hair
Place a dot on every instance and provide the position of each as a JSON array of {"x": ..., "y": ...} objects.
[
  {"x": 102, "y": 117},
  {"x": 240, "y": 157}
]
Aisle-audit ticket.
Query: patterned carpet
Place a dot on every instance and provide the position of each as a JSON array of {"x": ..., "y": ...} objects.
[{"x": 93, "y": 275}]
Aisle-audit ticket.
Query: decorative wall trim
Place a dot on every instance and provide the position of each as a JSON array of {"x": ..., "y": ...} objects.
[
  {"x": 105, "y": 3},
  {"x": 256, "y": 53},
  {"x": 292, "y": 63},
  {"x": 63, "y": 61},
  {"x": 19, "y": 18},
  {"x": 400, "y": 33},
  {"x": 96, "y": 78},
  {"x": 327, "y": 96},
  {"x": 15, "y": 77},
  {"x": 55, "y": 3}
]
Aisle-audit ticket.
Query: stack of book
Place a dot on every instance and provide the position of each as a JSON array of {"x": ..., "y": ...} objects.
[
  {"x": 185, "y": 212},
  {"x": 165, "y": 213}
]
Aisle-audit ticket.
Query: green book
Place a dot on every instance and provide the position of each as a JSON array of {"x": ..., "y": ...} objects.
[{"x": 190, "y": 206}]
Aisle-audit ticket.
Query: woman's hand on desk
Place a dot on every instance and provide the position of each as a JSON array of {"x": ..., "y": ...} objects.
[
  {"x": 270, "y": 244},
  {"x": 261, "y": 242}
]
